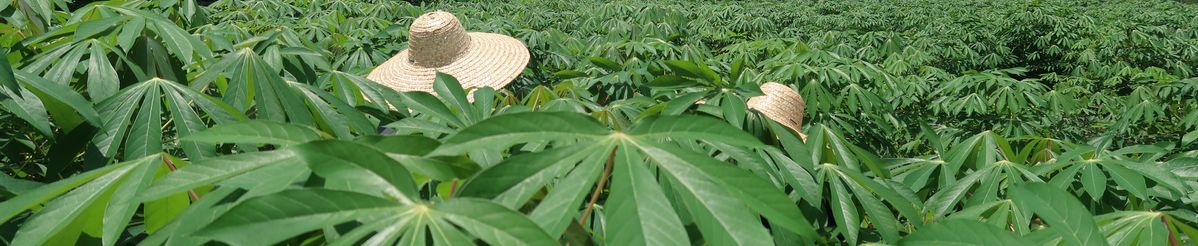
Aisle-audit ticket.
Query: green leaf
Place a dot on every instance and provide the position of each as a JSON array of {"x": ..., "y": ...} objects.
[
  {"x": 1127, "y": 179},
  {"x": 569, "y": 74},
  {"x": 211, "y": 170},
  {"x": 187, "y": 123},
  {"x": 102, "y": 81},
  {"x": 523, "y": 172},
  {"x": 604, "y": 63},
  {"x": 145, "y": 138},
  {"x": 257, "y": 132},
  {"x": 733, "y": 109},
  {"x": 720, "y": 222},
  {"x": 210, "y": 206},
  {"x": 679, "y": 104},
  {"x": 844, "y": 212},
  {"x": 449, "y": 89},
  {"x": 757, "y": 193},
  {"x": 94, "y": 27},
  {"x": 60, "y": 100},
  {"x": 707, "y": 183},
  {"x": 1094, "y": 181},
  {"x": 181, "y": 43},
  {"x": 637, "y": 210},
  {"x": 494, "y": 224},
  {"x": 559, "y": 208},
  {"x": 962, "y": 232},
  {"x": 693, "y": 70},
  {"x": 63, "y": 211},
  {"x": 272, "y": 218},
  {"x": 25, "y": 105},
  {"x": 28, "y": 200},
  {"x": 504, "y": 130},
  {"x": 410, "y": 151},
  {"x": 1189, "y": 137},
  {"x": 357, "y": 167},
  {"x": 122, "y": 205},
  {"x": 879, "y": 214},
  {"x": 428, "y": 104},
  {"x": 671, "y": 81},
  {"x": 7, "y": 80},
  {"x": 1061, "y": 211},
  {"x": 159, "y": 213},
  {"x": 690, "y": 127},
  {"x": 943, "y": 201}
]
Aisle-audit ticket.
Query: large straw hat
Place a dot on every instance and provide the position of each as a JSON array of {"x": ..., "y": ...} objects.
[
  {"x": 781, "y": 104},
  {"x": 439, "y": 43}
]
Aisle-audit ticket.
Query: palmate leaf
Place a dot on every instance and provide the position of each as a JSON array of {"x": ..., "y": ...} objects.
[
  {"x": 302, "y": 210},
  {"x": 112, "y": 29},
  {"x": 698, "y": 178},
  {"x": 107, "y": 193},
  {"x": 141, "y": 133},
  {"x": 1093, "y": 167},
  {"x": 1136, "y": 227},
  {"x": 212, "y": 204},
  {"x": 255, "y": 86},
  {"x": 1002, "y": 214},
  {"x": 272, "y": 218},
  {"x": 1061, "y": 211},
  {"x": 493, "y": 223}
]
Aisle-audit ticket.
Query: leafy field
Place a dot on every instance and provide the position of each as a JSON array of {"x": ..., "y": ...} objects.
[{"x": 928, "y": 122}]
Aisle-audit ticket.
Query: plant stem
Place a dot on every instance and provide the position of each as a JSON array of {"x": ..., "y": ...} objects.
[
  {"x": 453, "y": 187},
  {"x": 171, "y": 165},
  {"x": 598, "y": 187},
  {"x": 1172, "y": 237}
]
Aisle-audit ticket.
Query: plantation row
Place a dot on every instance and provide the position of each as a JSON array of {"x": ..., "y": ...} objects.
[{"x": 253, "y": 123}]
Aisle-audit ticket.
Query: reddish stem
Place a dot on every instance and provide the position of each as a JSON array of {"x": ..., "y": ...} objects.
[
  {"x": 598, "y": 188},
  {"x": 171, "y": 165},
  {"x": 1172, "y": 237},
  {"x": 453, "y": 187}
]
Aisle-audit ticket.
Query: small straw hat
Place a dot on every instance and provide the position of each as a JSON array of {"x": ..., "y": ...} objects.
[
  {"x": 781, "y": 104},
  {"x": 438, "y": 42}
]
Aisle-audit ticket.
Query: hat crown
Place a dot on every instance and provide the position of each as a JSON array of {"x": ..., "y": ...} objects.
[
  {"x": 436, "y": 39},
  {"x": 780, "y": 103}
]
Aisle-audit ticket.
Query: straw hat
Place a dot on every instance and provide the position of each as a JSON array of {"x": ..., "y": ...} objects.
[
  {"x": 439, "y": 43},
  {"x": 781, "y": 104}
]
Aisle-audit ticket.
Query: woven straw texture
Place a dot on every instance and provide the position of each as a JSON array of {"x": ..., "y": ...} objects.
[
  {"x": 438, "y": 42},
  {"x": 781, "y": 104}
]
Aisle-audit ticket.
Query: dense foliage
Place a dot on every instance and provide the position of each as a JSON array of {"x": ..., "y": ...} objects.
[{"x": 249, "y": 122}]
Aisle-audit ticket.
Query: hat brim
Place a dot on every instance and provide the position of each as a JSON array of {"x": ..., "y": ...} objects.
[{"x": 493, "y": 60}]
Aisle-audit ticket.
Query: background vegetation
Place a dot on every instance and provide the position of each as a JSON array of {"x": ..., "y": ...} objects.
[{"x": 249, "y": 122}]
